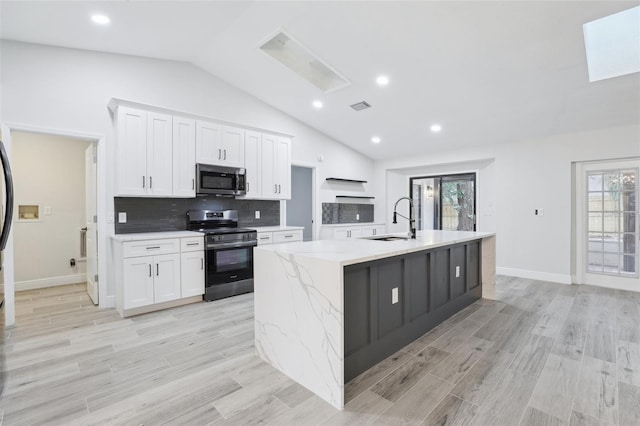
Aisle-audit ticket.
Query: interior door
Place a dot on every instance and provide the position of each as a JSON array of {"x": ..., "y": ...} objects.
[
  {"x": 607, "y": 222},
  {"x": 90, "y": 223}
]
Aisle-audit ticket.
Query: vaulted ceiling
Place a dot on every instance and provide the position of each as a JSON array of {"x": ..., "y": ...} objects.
[{"x": 487, "y": 72}]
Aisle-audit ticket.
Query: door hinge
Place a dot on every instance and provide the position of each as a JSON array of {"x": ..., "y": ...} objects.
[
  {"x": 95, "y": 278},
  {"x": 95, "y": 219}
]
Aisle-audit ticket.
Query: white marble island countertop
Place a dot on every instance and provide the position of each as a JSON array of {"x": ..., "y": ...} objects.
[{"x": 358, "y": 250}]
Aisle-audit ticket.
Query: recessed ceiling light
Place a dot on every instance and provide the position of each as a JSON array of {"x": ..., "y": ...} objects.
[
  {"x": 382, "y": 80},
  {"x": 435, "y": 128},
  {"x": 375, "y": 139},
  {"x": 317, "y": 104},
  {"x": 100, "y": 19}
]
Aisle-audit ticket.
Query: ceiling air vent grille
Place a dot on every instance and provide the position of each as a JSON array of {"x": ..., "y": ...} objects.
[{"x": 361, "y": 105}]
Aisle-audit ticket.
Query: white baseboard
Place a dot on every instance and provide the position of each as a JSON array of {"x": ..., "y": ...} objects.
[
  {"x": 50, "y": 282},
  {"x": 534, "y": 275}
]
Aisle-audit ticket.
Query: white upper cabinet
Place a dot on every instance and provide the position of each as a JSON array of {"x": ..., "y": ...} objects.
[
  {"x": 131, "y": 176},
  {"x": 232, "y": 146},
  {"x": 283, "y": 168},
  {"x": 269, "y": 186},
  {"x": 159, "y": 154},
  {"x": 208, "y": 142},
  {"x": 184, "y": 157},
  {"x": 253, "y": 163},
  {"x": 219, "y": 145}
]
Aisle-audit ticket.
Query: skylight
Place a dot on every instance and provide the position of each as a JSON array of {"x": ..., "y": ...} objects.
[
  {"x": 612, "y": 44},
  {"x": 290, "y": 53}
]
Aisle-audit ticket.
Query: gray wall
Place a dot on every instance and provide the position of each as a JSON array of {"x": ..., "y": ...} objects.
[{"x": 170, "y": 214}]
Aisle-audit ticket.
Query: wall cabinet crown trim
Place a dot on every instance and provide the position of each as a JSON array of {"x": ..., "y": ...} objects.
[{"x": 114, "y": 103}]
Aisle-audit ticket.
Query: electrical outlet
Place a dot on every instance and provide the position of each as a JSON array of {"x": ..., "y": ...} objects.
[
  {"x": 122, "y": 217},
  {"x": 357, "y": 216},
  {"x": 457, "y": 272},
  {"x": 394, "y": 295},
  {"x": 257, "y": 214}
]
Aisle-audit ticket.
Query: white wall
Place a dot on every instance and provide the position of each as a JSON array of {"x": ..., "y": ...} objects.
[
  {"x": 69, "y": 89},
  {"x": 513, "y": 180},
  {"x": 49, "y": 171}
]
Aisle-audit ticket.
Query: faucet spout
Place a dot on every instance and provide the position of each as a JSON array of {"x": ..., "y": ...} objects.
[{"x": 412, "y": 222}]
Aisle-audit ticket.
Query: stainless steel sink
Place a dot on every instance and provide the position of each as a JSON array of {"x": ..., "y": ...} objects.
[{"x": 389, "y": 238}]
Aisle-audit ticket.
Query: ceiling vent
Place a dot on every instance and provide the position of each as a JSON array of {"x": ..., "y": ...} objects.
[
  {"x": 361, "y": 105},
  {"x": 295, "y": 56}
]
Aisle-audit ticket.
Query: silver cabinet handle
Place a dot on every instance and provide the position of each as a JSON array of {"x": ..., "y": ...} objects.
[
  {"x": 193, "y": 184},
  {"x": 275, "y": 189},
  {"x": 225, "y": 154},
  {"x": 193, "y": 244},
  {"x": 149, "y": 269},
  {"x": 264, "y": 238},
  {"x": 157, "y": 269},
  {"x": 143, "y": 179},
  {"x": 247, "y": 186},
  {"x": 150, "y": 182},
  {"x": 201, "y": 263},
  {"x": 288, "y": 236},
  {"x": 279, "y": 189},
  {"x": 219, "y": 154},
  {"x": 153, "y": 247}
]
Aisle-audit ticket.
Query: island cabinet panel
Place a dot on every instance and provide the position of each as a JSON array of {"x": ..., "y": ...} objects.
[
  {"x": 439, "y": 278},
  {"x": 390, "y": 287},
  {"x": 418, "y": 278},
  {"x": 357, "y": 335},
  {"x": 388, "y": 303}
]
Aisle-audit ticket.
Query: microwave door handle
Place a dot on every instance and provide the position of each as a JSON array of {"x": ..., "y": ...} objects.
[{"x": 8, "y": 187}]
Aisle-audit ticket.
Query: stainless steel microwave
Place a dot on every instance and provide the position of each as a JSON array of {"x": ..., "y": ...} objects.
[{"x": 220, "y": 180}]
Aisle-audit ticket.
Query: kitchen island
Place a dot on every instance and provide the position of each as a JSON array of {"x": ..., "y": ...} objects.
[{"x": 327, "y": 310}]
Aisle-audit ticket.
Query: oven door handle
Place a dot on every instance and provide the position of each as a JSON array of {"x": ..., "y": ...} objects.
[{"x": 231, "y": 245}]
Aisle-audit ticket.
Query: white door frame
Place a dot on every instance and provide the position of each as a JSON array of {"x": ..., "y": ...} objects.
[
  {"x": 608, "y": 281},
  {"x": 101, "y": 195},
  {"x": 283, "y": 206}
]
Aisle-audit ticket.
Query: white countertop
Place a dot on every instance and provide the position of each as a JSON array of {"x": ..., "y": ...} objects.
[
  {"x": 358, "y": 250},
  {"x": 335, "y": 225},
  {"x": 275, "y": 228},
  {"x": 155, "y": 235}
]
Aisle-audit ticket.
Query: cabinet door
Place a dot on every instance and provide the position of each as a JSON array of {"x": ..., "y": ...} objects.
[
  {"x": 341, "y": 233},
  {"x": 137, "y": 282},
  {"x": 253, "y": 163},
  {"x": 192, "y": 273},
  {"x": 166, "y": 277},
  {"x": 208, "y": 143},
  {"x": 283, "y": 168},
  {"x": 184, "y": 157},
  {"x": 131, "y": 174},
  {"x": 355, "y": 232},
  {"x": 232, "y": 146},
  {"x": 159, "y": 154},
  {"x": 269, "y": 187}
]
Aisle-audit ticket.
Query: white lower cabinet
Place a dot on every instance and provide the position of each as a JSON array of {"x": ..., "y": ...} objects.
[
  {"x": 344, "y": 232},
  {"x": 192, "y": 273},
  {"x": 275, "y": 237},
  {"x": 153, "y": 272}
]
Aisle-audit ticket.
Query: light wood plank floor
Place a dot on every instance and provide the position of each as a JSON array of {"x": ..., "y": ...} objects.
[{"x": 542, "y": 354}]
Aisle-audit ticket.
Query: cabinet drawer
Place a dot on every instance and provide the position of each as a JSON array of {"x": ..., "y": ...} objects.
[
  {"x": 191, "y": 244},
  {"x": 287, "y": 236},
  {"x": 265, "y": 238},
  {"x": 150, "y": 247}
]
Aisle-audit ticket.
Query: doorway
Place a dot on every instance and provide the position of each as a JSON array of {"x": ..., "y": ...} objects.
[
  {"x": 445, "y": 202},
  {"x": 55, "y": 186},
  {"x": 300, "y": 207},
  {"x": 607, "y": 234}
]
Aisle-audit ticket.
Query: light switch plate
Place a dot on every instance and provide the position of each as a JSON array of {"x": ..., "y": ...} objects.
[
  {"x": 457, "y": 271},
  {"x": 394, "y": 295},
  {"x": 47, "y": 210},
  {"x": 122, "y": 217},
  {"x": 257, "y": 214},
  {"x": 357, "y": 216}
]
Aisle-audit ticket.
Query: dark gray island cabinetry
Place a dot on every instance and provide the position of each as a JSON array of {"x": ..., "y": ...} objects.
[
  {"x": 327, "y": 310},
  {"x": 388, "y": 303}
]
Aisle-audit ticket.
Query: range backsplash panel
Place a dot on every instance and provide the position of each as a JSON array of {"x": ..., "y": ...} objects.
[
  {"x": 333, "y": 213},
  {"x": 170, "y": 214}
]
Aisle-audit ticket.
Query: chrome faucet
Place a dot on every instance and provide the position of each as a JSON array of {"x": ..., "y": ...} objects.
[{"x": 412, "y": 222}]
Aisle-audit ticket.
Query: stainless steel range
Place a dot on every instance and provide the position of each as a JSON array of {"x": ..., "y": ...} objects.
[{"x": 229, "y": 252}]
